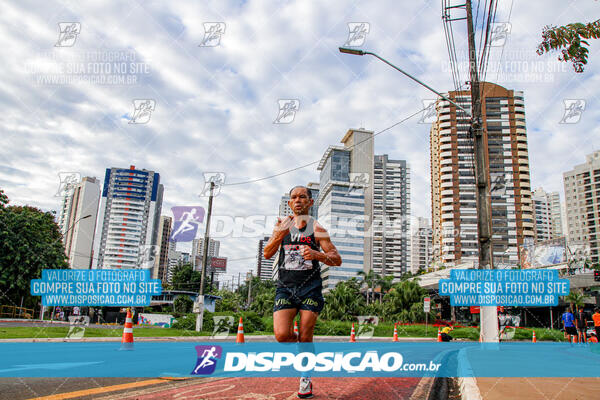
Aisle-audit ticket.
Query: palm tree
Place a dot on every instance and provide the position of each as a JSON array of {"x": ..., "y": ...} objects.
[
  {"x": 575, "y": 298},
  {"x": 404, "y": 299},
  {"x": 343, "y": 302},
  {"x": 370, "y": 279},
  {"x": 385, "y": 284}
]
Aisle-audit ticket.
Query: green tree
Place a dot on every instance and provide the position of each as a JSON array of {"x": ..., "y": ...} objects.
[
  {"x": 258, "y": 286},
  {"x": 3, "y": 199},
  {"x": 30, "y": 241},
  {"x": 571, "y": 40},
  {"x": 185, "y": 278},
  {"x": 385, "y": 283},
  {"x": 575, "y": 298},
  {"x": 370, "y": 280},
  {"x": 230, "y": 301},
  {"x": 183, "y": 304},
  {"x": 404, "y": 302},
  {"x": 262, "y": 303},
  {"x": 344, "y": 302}
]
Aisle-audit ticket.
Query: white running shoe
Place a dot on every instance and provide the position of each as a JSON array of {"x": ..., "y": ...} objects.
[{"x": 305, "y": 390}]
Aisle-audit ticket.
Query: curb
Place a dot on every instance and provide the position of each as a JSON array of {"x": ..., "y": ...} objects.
[
  {"x": 423, "y": 389},
  {"x": 466, "y": 381},
  {"x": 258, "y": 338}
]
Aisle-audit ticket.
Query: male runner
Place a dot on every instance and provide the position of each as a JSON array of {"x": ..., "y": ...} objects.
[{"x": 299, "y": 287}]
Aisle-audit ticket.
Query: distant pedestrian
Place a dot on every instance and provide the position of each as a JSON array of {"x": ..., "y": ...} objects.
[
  {"x": 446, "y": 334},
  {"x": 569, "y": 324},
  {"x": 581, "y": 322},
  {"x": 76, "y": 311},
  {"x": 596, "y": 319}
]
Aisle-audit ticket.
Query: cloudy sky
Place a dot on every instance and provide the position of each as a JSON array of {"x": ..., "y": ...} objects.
[{"x": 68, "y": 101}]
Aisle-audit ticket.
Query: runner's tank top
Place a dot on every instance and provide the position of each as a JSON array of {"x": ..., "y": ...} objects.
[{"x": 294, "y": 270}]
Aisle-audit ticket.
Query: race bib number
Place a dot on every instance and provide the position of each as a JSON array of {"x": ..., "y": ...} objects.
[{"x": 294, "y": 260}]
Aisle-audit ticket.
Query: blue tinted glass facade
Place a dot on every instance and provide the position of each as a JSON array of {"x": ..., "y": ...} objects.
[{"x": 336, "y": 168}]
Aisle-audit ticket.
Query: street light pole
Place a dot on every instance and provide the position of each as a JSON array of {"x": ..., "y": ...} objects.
[
  {"x": 362, "y": 53},
  {"x": 200, "y": 316},
  {"x": 489, "y": 314}
]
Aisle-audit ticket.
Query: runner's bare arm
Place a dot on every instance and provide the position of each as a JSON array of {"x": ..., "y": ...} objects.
[
  {"x": 329, "y": 255},
  {"x": 282, "y": 227}
]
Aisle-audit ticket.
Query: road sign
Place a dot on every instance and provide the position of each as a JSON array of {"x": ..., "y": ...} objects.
[
  {"x": 426, "y": 304},
  {"x": 218, "y": 263}
]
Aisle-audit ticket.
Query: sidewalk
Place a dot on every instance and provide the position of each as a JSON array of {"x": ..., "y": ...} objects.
[
  {"x": 536, "y": 389},
  {"x": 230, "y": 338}
]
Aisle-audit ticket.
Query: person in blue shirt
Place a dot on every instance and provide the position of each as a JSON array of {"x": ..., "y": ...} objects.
[{"x": 569, "y": 324}]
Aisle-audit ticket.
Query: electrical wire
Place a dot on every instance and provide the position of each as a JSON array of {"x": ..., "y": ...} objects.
[{"x": 315, "y": 162}]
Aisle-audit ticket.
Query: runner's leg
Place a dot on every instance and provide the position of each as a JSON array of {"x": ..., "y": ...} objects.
[
  {"x": 283, "y": 324},
  {"x": 308, "y": 319}
]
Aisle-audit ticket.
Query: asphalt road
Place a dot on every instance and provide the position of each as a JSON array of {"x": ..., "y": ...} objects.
[{"x": 205, "y": 388}]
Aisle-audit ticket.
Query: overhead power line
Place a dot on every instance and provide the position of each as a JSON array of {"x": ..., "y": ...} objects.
[{"x": 317, "y": 161}]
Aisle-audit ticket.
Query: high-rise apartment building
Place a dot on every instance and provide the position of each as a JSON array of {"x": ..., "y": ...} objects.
[
  {"x": 198, "y": 251},
  {"x": 548, "y": 215},
  {"x": 421, "y": 247},
  {"x": 391, "y": 216},
  {"x": 454, "y": 214},
  {"x": 128, "y": 218},
  {"x": 284, "y": 208},
  {"x": 161, "y": 262},
  {"x": 264, "y": 267},
  {"x": 543, "y": 217},
  {"x": 77, "y": 221},
  {"x": 582, "y": 197}
]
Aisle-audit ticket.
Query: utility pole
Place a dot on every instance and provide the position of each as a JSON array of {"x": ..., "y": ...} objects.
[
  {"x": 249, "y": 276},
  {"x": 200, "y": 316},
  {"x": 489, "y": 314}
]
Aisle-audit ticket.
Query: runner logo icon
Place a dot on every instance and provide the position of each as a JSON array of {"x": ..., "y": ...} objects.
[{"x": 207, "y": 359}]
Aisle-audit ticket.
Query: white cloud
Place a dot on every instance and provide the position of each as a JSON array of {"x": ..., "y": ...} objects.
[{"x": 215, "y": 107}]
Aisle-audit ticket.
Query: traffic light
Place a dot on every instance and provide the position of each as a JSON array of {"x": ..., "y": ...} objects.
[{"x": 597, "y": 275}]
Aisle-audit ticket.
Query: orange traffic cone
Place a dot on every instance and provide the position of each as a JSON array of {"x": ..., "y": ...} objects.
[
  {"x": 240, "y": 333},
  {"x": 352, "y": 334},
  {"x": 395, "y": 338},
  {"x": 296, "y": 328},
  {"x": 533, "y": 339},
  {"x": 127, "y": 340},
  {"x": 439, "y": 335}
]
